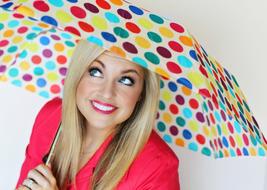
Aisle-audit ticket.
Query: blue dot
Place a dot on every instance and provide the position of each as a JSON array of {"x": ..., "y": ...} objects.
[
  {"x": 185, "y": 82},
  {"x": 232, "y": 152},
  {"x": 187, "y": 135},
  {"x": 13, "y": 72},
  {"x": 95, "y": 40},
  {"x": 41, "y": 82},
  {"x": 7, "y": 5},
  {"x": 261, "y": 152},
  {"x": 44, "y": 40},
  {"x": 225, "y": 142},
  {"x": 184, "y": 61},
  {"x": 23, "y": 54},
  {"x": 50, "y": 65},
  {"x": 13, "y": 23},
  {"x": 187, "y": 113},
  {"x": 237, "y": 126},
  {"x": 37, "y": 29},
  {"x": 140, "y": 61},
  {"x": 56, "y": 3},
  {"x": 167, "y": 138},
  {"x": 17, "y": 83},
  {"x": 44, "y": 94},
  {"x": 72, "y": 1},
  {"x": 49, "y": 20},
  {"x": 172, "y": 86},
  {"x": 245, "y": 152},
  {"x": 65, "y": 35},
  {"x": 136, "y": 10},
  {"x": 217, "y": 116},
  {"x": 193, "y": 146},
  {"x": 193, "y": 54},
  {"x": 38, "y": 71},
  {"x": 108, "y": 36},
  {"x": 112, "y": 17},
  {"x": 253, "y": 140}
]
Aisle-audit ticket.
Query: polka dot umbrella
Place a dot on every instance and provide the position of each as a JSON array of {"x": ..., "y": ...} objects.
[{"x": 201, "y": 105}]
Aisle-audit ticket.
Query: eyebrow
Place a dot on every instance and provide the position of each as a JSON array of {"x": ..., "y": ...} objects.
[{"x": 123, "y": 72}]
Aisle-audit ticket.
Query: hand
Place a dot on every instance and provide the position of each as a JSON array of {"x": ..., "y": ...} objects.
[{"x": 39, "y": 178}]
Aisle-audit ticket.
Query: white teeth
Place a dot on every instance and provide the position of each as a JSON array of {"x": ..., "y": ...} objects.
[{"x": 101, "y": 107}]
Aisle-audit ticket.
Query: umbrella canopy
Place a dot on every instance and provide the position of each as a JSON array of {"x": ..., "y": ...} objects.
[{"x": 201, "y": 105}]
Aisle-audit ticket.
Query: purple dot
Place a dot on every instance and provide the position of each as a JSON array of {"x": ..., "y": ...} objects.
[
  {"x": 129, "y": 47},
  {"x": 210, "y": 105},
  {"x": 157, "y": 115},
  {"x": 90, "y": 7},
  {"x": 2, "y": 68},
  {"x": 179, "y": 99},
  {"x": 164, "y": 52},
  {"x": 55, "y": 37},
  {"x": 173, "y": 130},
  {"x": 1, "y": 52},
  {"x": 200, "y": 117},
  {"x": 63, "y": 71},
  {"x": 27, "y": 77},
  {"x": 47, "y": 53},
  {"x": 124, "y": 14},
  {"x": 223, "y": 115},
  {"x": 208, "y": 121}
]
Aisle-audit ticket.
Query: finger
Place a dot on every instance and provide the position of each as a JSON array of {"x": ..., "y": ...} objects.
[
  {"x": 30, "y": 184},
  {"x": 38, "y": 178},
  {"x": 46, "y": 172}
]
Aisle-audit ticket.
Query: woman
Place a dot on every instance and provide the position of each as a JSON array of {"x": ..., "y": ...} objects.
[{"x": 107, "y": 141}]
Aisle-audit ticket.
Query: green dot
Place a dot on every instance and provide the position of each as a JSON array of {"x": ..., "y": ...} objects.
[
  {"x": 152, "y": 58},
  {"x": 161, "y": 84},
  {"x": 69, "y": 43},
  {"x": 161, "y": 126},
  {"x": 180, "y": 121},
  {"x": 220, "y": 154},
  {"x": 161, "y": 105},
  {"x": 31, "y": 36},
  {"x": 235, "y": 81},
  {"x": 204, "y": 105},
  {"x": 154, "y": 37},
  {"x": 246, "y": 105},
  {"x": 1, "y": 26},
  {"x": 156, "y": 19},
  {"x": 12, "y": 49},
  {"x": 206, "y": 151},
  {"x": 240, "y": 107},
  {"x": 219, "y": 86},
  {"x": 219, "y": 129},
  {"x": 121, "y": 32}
]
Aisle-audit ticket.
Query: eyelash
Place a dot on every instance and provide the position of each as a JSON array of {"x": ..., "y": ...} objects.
[{"x": 95, "y": 68}]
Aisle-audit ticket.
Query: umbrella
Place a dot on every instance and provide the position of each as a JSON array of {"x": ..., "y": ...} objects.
[{"x": 201, "y": 105}]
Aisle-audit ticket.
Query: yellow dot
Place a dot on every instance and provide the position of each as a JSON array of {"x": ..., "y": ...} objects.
[
  {"x": 145, "y": 23},
  {"x": 52, "y": 77},
  {"x": 43, "y": 25},
  {"x": 214, "y": 132},
  {"x": 118, "y": 51},
  {"x": 25, "y": 11},
  {"x": 7, "y": 58},
  {"x": 196, "y": 78},
  {"x": 193, "y": 125},
  {"x": 206, "y": 131},
  {"x": 33, "y": 47},
  {"x": 17, "y": 39},
  {"x": 59, "y": 47},
  {"x": 99, "y": 22},
  {"x": 70, "y": 52},
  {"x": 24, "y": 65},
  {"x": 252, "y": 151},
  {"x": 179, "y": 142},
  {"x": 166, "y": 32},
  {"x": 30, "y": 88},
  {"x": 4, "y": 16},
  {"x": 142, "y": 42},
  {"x": 63, "y": 16},
  {"x": 238, "y": 139},
  {"x": 3, "y": 78},
  {"x": 167, "y": 117},
  {"x": 8, "y": 33},
  {"x": 186, "y": 40},
  {"x": 162, "y": 72},
  {"x": 27, "y": 22},
  {"x": 186, "y": 91},
  {"x": 166, "y": 95},
  {"x": 225, "y": 129},
  {"x": 226, "y": 153}
]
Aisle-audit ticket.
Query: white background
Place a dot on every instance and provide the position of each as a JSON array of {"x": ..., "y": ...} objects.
[{"x": 234, "y": 32}]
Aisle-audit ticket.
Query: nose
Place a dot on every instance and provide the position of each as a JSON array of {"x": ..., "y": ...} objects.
[{"x": 108, "y": 89}]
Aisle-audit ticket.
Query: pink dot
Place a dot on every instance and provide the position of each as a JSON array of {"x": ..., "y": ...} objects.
[
  {"x": 78, "y": 12},
  {"x": 177, "y": 27},
  {"x": 41, "y": 6}
]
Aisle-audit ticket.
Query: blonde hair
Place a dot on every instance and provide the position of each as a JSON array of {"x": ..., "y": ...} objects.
[{"x": 129, "y": 136}]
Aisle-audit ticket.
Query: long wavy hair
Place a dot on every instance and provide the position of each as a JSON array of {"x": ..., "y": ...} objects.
[{"x": 129, "y": 137}]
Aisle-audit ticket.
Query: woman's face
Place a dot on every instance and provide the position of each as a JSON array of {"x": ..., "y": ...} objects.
[{"x": 109, "y": 90}]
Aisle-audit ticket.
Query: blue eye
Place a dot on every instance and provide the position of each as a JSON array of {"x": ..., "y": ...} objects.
[
  {"x": 128, "y": 81},
  {"x": 93, "y": 72}
]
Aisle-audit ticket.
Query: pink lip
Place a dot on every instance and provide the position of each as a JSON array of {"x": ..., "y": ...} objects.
[
  {"x": 101, "y": 111},
  {"x": 104, "y": 104}
]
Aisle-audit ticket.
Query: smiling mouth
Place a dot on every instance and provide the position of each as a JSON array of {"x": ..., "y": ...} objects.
[{"x": 100, "y": 107}]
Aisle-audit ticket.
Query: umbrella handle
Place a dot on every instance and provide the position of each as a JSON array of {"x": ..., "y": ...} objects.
[{"x": 46, "y": 159}]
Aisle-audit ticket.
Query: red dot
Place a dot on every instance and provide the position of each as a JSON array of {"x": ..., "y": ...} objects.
[
  {"x": 61, "y": 59},
  {"x": 238, "y": 152},
  {"x": 201, "y": 139},
  {"x": 17, "y": 15},
  {"x": 215, "y": 102},
  {"x": 72, "y": 30},
  {"x": 36, "y": 59},
  {"x": 103, "y": 4},
  {"x": 174, "y": 109},
  {"x": 132, "y": 27},
  {"x": 41, "y": 6},
  {"x": 173, "y": 67},
  {"x": 245, "y": 139},
  {"x": 193, "y": 103},
  {"x": 22, "y": 29},
  {"x": 177, "y": 27},
  {"x": 230, "y": 127},
  {"x": 78, "y": 12},
  {"x": 232, "y": 141},
  {"x": 212, "y": 118},
  {"x": 175, "y": 46},
  {"x": 55, "y": 89},
  {"x": 85, "y": 26},
  {"x": 4, "y": 43}
]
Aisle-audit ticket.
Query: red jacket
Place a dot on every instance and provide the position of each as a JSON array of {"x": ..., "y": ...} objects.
[{"x": 155, "y": 168}]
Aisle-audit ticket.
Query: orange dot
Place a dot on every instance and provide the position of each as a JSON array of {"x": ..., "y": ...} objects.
[
  {"x": 186, "y": 91},
  {"x": 8, "y": 33},
  {"x": 116, "y": 2},
  {"x": 186, "y": 40},
  {"x": 117, "y": 51},
  {"x": 226, "y": 153},
  {"x": 179, "y": 142},
  {"x": 43, "y": 25},
  {"x": 30, "y": 88},
  {"x": 59, "y": 47}
]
